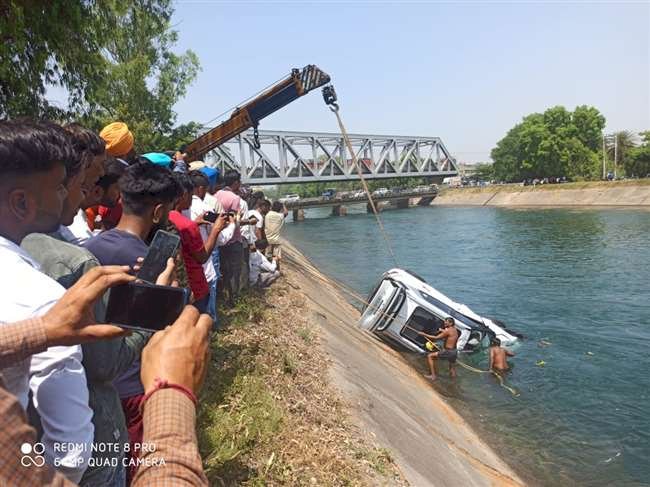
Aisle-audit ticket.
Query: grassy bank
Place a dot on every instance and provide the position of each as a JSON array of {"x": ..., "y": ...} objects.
[{"x": 269, "y": 415}]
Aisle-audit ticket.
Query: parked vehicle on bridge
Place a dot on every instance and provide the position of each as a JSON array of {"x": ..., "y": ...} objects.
[
  {"x": 403, "y": 304},
  {"x": 381, "y": 192},
  {"x": 290, "y": 198},
  {"x": 359, "y": 194},
  {"x": 329, "y": 193}
]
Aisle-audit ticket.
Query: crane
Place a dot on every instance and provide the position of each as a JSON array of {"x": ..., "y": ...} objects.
[{"x": 297, "y": 84}]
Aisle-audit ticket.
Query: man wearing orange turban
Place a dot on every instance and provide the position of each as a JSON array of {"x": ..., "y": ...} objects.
[
  {"x": 119, "y": 143},
  {"x": 118, "y": 138}
]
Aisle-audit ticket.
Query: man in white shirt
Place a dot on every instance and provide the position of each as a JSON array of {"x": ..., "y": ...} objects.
[
  {"x": 262, "y": 272},
  {"x": 33, "y": 159},
  {"x": 255, "y": 231},
  {"x": 79, "y": 231}
]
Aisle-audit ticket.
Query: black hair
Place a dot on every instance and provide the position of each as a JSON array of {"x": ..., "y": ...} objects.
[
  {"x": 182, "y": 149},
  {"x": 184, "y": 181},
  {"x": 144, "y": 185},
  {"x": 261, "y": 244},
  {"x": 255, "y": 199},
  {"x": 266, "y": 203},
  {"x": 113, "y": 171},
  {"x": 85, "y": 140},
  {"x": 276, "y": 206},
  {"x": 495, "y": 342},
  {"x": 451, "y": 320},
  {"x": 231, "y": 177},
  {"x": 199, "y": 179},
  {"x": 29, "y": 146}
]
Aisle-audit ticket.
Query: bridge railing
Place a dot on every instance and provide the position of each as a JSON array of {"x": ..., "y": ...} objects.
[{"x": 361, "y": 197}]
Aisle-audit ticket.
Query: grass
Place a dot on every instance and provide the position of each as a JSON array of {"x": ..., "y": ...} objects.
[
  {"x": 268, "y": 415},
  {"x": 238, "y": 411}
]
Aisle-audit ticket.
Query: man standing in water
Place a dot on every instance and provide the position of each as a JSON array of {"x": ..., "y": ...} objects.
[
  {"x": 450, "y": 334},
  {"x": 498, "y": 356}
]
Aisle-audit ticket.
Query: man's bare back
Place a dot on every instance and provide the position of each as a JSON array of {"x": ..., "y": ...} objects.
[{"x": 498, "y": 358}]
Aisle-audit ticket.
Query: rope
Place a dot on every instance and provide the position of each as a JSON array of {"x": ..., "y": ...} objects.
[{"x": 355, "y": 161}]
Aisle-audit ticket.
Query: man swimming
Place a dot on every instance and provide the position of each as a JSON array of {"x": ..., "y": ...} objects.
[
  {"x": 498, "y": 356},
  {"x": 450, "y": 334}
]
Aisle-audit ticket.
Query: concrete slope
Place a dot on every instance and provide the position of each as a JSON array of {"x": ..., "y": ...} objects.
[
  {"x": 595, "y": 196},
  {"x": 429, "y": 441}
]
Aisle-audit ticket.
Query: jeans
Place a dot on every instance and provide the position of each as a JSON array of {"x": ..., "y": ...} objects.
[
  {"x": 232, "y": 259},
  {"x": 212, "y": 304},
  {"x": 202, "y": 304}
]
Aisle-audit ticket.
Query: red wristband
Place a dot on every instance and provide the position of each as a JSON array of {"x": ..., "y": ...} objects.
[{"x": 164, "y": 384}]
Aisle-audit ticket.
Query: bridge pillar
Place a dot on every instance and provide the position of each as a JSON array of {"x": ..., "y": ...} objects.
[
  {"x": 402, "y": 203},
  {"x": 425, "y": 200},
  {"x": 380, "y": 205},
  {"x": 298, "y": 215},
  {"x": 339, "y": 210}
]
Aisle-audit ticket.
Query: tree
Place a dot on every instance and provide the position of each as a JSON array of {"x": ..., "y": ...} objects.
[
  {"x": 113, "y": 59},
  {"x": 637, "y": 160},
  {"x": 551, "y": 144},
  {"x": 620, "y": 145}
]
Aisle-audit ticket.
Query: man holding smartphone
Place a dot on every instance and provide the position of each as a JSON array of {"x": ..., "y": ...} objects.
[
  {"x": 148, "y": 194},
  {"x": 196, "y": 252}
]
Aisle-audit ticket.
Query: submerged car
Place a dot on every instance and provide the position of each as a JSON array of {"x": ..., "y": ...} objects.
[{"x": 402, "y": 304}]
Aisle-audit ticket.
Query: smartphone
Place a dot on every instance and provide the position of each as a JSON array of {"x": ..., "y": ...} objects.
[
  {"x": 145, "y": 306},
  {"x": 211, "y": 216},
  {"x": 163, "y": 246}
]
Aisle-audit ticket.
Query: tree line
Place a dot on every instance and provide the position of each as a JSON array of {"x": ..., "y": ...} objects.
[
  {"x": 560, "y": 143},
  {"x": 113, "y": 60}
]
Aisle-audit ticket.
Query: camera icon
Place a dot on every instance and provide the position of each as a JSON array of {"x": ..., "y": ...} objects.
[{"x": 32, "y": 455}]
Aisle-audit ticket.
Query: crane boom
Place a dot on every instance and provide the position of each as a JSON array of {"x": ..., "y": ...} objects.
[{"x": 298, "y": 83}]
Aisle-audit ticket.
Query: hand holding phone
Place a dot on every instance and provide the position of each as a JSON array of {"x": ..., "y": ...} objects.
[
  {"x": 163, "y": 246},
  {"x": 178, "y": 354},
  {"x": 144, "y": 306},
  {"x": 210, "y": 216}
]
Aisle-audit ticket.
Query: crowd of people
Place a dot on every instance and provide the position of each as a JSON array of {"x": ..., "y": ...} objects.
[{"x": 88, "y": 403}]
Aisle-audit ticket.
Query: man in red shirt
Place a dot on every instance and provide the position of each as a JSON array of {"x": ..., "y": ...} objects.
[{"x": 195, "y": 251}]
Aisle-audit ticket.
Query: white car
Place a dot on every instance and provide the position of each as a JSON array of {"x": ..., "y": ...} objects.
[
  {"x": 381, "y": 192},
  {"x": 290, "y": 198}
]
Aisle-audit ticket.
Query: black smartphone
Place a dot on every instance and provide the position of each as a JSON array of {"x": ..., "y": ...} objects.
[
  {"x": 145, "y": 306},
  {"x": 163, "y": 246},
  {"x": 211, "y": 216}
]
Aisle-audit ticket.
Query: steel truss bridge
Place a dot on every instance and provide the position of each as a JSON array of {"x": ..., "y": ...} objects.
[{"x": 303, "y": 157}]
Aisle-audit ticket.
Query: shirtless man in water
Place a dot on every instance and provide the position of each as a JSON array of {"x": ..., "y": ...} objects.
[
  {"x": 498, "y": 356},
  {"x": 450, "y": 334}
]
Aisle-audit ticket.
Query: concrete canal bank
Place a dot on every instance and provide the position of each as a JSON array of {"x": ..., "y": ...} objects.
[
  {"x": 429, "y": 441},
  {"x": 612, "y": 194}
]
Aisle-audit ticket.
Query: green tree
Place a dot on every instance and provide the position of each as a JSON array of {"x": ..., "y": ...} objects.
[
  {"x": 551, "y": 144},
  {"x": 637, "y": 160},
  {"x": 114, "y": 59}
]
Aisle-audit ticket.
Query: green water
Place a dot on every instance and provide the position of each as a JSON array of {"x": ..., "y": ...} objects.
[{"x": 577, "y": 279}]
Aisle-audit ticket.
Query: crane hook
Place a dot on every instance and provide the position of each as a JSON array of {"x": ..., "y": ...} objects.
[{"x": 329, "y": 95}]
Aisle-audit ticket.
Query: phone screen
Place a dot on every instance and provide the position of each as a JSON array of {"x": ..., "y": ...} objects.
[
  {"x": 211, "y": 216},
  {"x": 163, "y": 246},
  {"x": 145, "y": 306}
]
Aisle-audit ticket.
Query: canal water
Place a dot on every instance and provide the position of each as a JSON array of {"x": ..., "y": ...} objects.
[{"x": 575, "y": 282}]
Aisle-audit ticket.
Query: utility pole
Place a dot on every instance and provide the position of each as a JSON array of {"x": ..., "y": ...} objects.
[
  {"x": 604, "y": 158},
  {"x": 615, "y": 152}
]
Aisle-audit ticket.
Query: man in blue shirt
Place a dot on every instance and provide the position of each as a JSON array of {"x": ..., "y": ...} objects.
[{"x": 148, "y": 194}]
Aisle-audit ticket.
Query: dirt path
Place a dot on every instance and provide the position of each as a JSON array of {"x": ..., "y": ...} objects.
[{"x": 430, "y": 442}]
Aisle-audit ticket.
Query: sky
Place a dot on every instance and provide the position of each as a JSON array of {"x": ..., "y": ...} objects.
[{"x": 462, "y": 71}]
